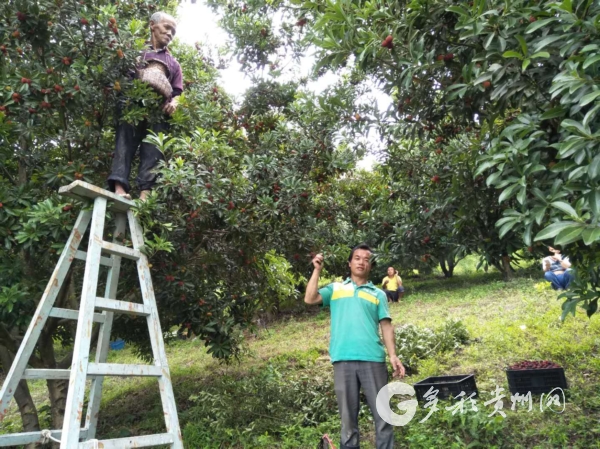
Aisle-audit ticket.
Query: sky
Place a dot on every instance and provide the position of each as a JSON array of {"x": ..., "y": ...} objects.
[{"x": 197, "y": 23}]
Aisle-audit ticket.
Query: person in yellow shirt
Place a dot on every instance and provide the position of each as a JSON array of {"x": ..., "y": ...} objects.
[{"x": 392, "y": 285}]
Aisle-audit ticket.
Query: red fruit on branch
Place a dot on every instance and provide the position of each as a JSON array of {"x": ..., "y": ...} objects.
[
  {"x": 427, "y": 239},
  {"x": 208, "y": 185},
  {"x": 16, "y": 97},
  {"x": 169, "y": 278},
  {"x": 58, "y": 88},
  {"x": 435, "y": 179},
  {"x": 49, "y": 70},
  {"x": 21, "y": 16},
  {"x": 486, "y": 84},
  {"x": 120, "y": 53},
  {"x": 438, "y": 151},
  {"x": 440, "y": 57},
  {"x": 112, "y": 20},
  {"x": 449, "y": 57},
  {"x": 76, "y": 87},
  {"x": 409, "y": 118},
  {"x": 31, "y": 111},
  {"x": 45, "y": 105},
  {"x": 532, "y": 19},
  {"x": 66, "y": 60},
  {"x": 301, "y": 22},
  {"x": 231, "y": 206},
  {"x": 84, "y": 21},
  {"x": 388, "y": 42},
  {"x": 67, "y": 208},
  {"x": 439, "y": 139},
  {"x": 25, "y": 81},
  {"x": 16, "y": 34}
]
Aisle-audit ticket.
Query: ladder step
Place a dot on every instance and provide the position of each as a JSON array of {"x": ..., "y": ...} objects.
[
  {"x": 124, "y": 370},
  {"x": 82, "y": 190},
  {"x": 95, "y": 370},
  {"x": 82, "y": 255},
  {"x": 52, "y": 374},
  {"x": 24, "y": 438},
  {"x": 120, "y": 443},
  {"x": 120, "y": 250},
  {"x": 113, "y": 305},
  {"x": 71, "y": 314}
]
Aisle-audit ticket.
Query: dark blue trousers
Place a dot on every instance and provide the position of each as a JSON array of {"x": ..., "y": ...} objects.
[{"x": 559, "y": 281}]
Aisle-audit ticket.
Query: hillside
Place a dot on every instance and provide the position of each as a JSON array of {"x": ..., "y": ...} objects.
[{"x": 280, "y": 393}]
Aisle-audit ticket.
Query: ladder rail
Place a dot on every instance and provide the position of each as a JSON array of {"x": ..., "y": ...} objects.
[
  {"x": 167, "y": 394},
  {"x": 81, "y": 349},
  {"x": 42, "y": 312}
]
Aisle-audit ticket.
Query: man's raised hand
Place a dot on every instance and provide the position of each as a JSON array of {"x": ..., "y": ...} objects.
[{"x": 318, "y": 262}]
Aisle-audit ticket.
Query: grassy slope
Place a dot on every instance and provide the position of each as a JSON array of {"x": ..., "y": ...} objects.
[{"x": 508, "y": 322}]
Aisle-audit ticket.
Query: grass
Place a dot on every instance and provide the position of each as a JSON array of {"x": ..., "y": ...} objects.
[{"x": 281, "y": 395}]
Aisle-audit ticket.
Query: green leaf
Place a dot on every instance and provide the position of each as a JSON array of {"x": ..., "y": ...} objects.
[
  {"x": 568, "y": 123},
  {"x": 589, "y": 61},
  {"x": 594, "y": 168},
  {"x": 523, "y": 44},
  {"x": 554, "y": 112},
  {"x": 483, "y": 167},
  {"x": 525, "y": 64},
  {"x": 547, "y": 41},
  {"x": 550, "y": 231},
  {"x": 506, "y": 228},
  {"x": 594, "y": 202},
  {"x": 569, "y": 235},
  {"x": 541, "y": 54},
  {"x": 507, "y": 193},
  {"x": 458, "y": 10},
  {"x": 590, "y": 115},
  {"x": 589, "y": 47},
  {"x": 538, "y": 24},
  {"x": 587, "y": 99},
  {"x": 590, "y": 235},
  {"x": 565, "y": 207},
  {"x": 538, "y": 213},
  {"x": 493, "y": 178},
  {"x": 522, "y": 195},
  {"x": 512, "y": 54}
]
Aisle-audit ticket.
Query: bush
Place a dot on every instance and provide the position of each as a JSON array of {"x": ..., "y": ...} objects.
[{"x": 414, "y": 343}]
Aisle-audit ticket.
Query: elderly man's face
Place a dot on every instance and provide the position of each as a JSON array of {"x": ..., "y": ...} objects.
[{"x": 163, "y": 32}]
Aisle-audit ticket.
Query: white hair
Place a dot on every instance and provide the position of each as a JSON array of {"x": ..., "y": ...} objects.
[{"x": 159, "y": 16}]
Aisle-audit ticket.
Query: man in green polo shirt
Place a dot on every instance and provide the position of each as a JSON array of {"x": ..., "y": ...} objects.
[{"x": 358, "y": 309}]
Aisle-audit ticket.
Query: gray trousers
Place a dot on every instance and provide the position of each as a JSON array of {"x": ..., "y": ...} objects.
[{"x": 348, "y": 378}]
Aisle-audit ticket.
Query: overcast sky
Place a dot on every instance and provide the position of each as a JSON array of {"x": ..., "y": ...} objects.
[{"x": 197, "y": 23}]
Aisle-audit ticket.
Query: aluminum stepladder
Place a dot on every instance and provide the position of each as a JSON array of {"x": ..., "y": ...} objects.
[{"x": 100, "y": 310}]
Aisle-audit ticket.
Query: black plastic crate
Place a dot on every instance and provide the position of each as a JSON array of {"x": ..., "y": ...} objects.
[
  {"x": 447, "y": 385},
  {"x": 537, "y": 381}
]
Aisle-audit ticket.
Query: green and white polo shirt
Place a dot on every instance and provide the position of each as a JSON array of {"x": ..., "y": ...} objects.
[{"x": 355, "y": 315}]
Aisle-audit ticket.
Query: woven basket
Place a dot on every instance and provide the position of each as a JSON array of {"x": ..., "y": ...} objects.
[{"x": 156, "y": 74}]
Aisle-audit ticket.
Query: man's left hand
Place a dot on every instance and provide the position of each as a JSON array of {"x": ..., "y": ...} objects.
[
  {"x": 397, "y": 367},
  {"x": 170, "y": 106}
]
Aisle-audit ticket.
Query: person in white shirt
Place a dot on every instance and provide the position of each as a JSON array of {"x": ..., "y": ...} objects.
[{"x": 556, "y": 269}]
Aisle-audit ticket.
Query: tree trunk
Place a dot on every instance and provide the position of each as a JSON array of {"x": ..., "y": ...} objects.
[
  {"x": 447, "y": 266},
  {"x": 506, "y": 268},
  {"x": 27, "y": 410}
]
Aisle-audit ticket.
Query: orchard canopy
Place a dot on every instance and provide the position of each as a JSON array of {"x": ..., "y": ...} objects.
[{"x": 490, "y": 146}]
